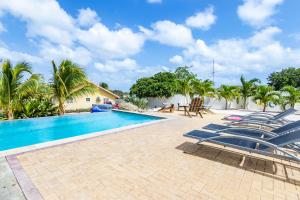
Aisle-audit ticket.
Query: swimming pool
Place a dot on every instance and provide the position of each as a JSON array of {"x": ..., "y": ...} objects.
[{"x": 20, "y": 133}]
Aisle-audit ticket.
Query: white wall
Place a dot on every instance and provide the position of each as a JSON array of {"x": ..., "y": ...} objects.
[
  {"x": 158, "y": 102},
  {"x": 216, "y": 103}
]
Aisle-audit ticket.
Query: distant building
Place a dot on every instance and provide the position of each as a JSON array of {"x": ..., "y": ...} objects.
[{"x": 85, "y": 102}]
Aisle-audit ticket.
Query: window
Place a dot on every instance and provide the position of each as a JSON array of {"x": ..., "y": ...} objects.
[
  {"x": 88, "y": 99},
  {"x": 106, "y": 100},
  {"x": 98, "y": 100}
]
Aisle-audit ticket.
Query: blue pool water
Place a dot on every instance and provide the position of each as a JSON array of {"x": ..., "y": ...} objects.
[{"x": 19, "y": 133}]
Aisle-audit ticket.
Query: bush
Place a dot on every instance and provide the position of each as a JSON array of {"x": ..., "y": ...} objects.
[{"x": 139, "y": 102}]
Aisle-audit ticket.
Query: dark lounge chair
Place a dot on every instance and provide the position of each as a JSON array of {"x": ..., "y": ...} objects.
[
  {"x": 262, "y": 118},
  {"x": 272, "y": 147}
]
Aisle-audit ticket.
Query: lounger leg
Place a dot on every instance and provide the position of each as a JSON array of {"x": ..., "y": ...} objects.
[{"x": 243, "y": 160}]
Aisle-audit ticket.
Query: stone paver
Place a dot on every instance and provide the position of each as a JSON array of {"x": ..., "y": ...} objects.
[
  {"x": 149, "y": 163},
  {"x": 9, "y": 188}
]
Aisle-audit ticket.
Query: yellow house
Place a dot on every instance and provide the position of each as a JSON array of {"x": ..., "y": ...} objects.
[{"x": 85, "y": 102}]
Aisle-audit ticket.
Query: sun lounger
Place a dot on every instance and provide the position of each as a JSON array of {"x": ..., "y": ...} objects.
[
  {"x": 167, "y": 108},
  {"x": 259, "y": 116},
  {"x": 272, "y": 147},
  {"x": 272, "y": 121},
  {"x": 280, "y": 130}
]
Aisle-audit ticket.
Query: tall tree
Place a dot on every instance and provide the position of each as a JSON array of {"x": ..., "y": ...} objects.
[
  {"x": 248, "y": 88},
  {"x": 12, "y": 85},
  {"x": 288, "y": 76},
  {"x": 265, "y": 94},
  {"x": 162, "y": 84},
  {"x": 229, "y": 93},
  {"x": 291, "y": 95},
  {"x": 104, "y": 85},
  {"x": 185, "y": 80},
  {"x": 204, "y": 88},
  {"x": 69, "y": 81}
]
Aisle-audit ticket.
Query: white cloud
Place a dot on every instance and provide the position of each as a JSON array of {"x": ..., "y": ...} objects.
[
  {"x": 258, "y": 12},
  {"x": 169, "y": 33},
  {"x": 87, "y": 17},
  {"x": 260, "y": 53},
  {"x": 154, "y": 1},
  {"x": 43, "y": 18},
  {"x": 176, "y": 59},
  {"x": 56, "y": 52},
  {"x": 202, "y": 20},
  {"x": 116, "y": 65},
  {"x": 16, "y": 56},
  {"x": 111, "y": 43}
]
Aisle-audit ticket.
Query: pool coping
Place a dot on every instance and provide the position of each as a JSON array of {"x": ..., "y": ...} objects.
[{"x": 27, "y": 186}]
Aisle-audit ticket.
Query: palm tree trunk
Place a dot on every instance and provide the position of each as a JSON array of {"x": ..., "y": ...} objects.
[
  {"x": 61, "y": 109},
  {"x": 226, "y": 104},
  {"x": 265, "y": 106},
  {"x": 245, "y": 100},
  {"x": 10, "y": 114}
]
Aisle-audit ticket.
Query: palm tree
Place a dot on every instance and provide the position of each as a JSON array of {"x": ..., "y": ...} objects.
[
  {"x": 204, "y": 88},
  {"x": 248, "y": 88},
  {"x": 292, "y": 97},
  {"x": 265, "y": 94},
  {"x": 185, "y": 87},
  {"x": 69, "y": 81},
  {"x": 229, "y": 93},
  {"x": 12, "y": 85}
]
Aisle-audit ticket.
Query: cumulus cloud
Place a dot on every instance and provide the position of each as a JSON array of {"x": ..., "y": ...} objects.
[
  {"x": 107, "y": 43},
  {"x": 234, "y": 56},
  {"x": 43, "y": 18},
  {"x": 176, "y": 59},
  {"x": 169, "y": 33},
  {"x": 87, "y": 17},
  {"x": 257, "y": 13},
  {"x": 52, "y": 24},
  {"x": 202, "y": 20},
  {"x": 116, "y": 65},
  {"x": 154, "y": 1},
  {"x": 16, "y": 56},
  {"x": 56, "y": 52}
]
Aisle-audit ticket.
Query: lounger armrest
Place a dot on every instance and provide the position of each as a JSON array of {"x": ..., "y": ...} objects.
[
  {"x": 260, "y": 121},
  {"x": 254, "y": 130},
  {"x": 264, "y": 124}
]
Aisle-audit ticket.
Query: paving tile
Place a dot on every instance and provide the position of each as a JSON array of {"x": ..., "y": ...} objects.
[{"x": 150, "y": 163}]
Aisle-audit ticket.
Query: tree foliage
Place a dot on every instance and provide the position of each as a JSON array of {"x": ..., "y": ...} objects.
[
  {"x": 290, "y": 96},
  {"x": 162, "y": 84},
  {"x": 286, "y": 77},
  {"x": 69, "y": 81},
  {"x": 229, "y": 93},
  {"x": 104, "y": 85},
  {"x": 247, "y": 88},
  {"x": 185, "y": 80},
  {"x": 204, "y": 88},
  {"x": 266, "y": 94},
  {"x": 13, "y": 85}
]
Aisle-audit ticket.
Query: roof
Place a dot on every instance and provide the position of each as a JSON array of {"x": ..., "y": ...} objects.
[{"x": 108, "y": 91}]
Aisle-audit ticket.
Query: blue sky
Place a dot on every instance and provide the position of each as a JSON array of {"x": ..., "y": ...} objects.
[{"x": 119, "y": 41}]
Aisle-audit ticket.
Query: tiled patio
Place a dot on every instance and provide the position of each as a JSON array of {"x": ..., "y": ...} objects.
[{"x": 149, "y": 163}]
